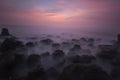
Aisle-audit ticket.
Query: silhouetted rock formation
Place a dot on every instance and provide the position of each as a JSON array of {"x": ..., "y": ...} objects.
[
  {"x": 5, "y": 32},
  {"x": 10, "y": 44}
]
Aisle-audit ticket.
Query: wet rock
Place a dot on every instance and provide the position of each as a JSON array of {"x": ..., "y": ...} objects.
[
  {"x": 86, "y": 51},
  {"x": 107, "y": 55},
  {"x": 5, "y": 32},
  {"x": 34, "y": 60},
  {"x": 52, "y": 73},
  {"x": 76, "y": 47},
  {"x": 83, "y": 72},
  {"x": 116, "y": 73},
  {"x": 72, "y": 52},
  {"x": 37, "y": 74},
  {"x": 58, "y": 54},
  {"x": 116, "y": 61},
  {"x": 46, "y": 41},
  {"x": 91, "y": 40},
  {"x": 75, "y": 50},
  {"x": 30, "y": 44},
  {"x": 76, "y": 41},
  {"x": 84, "y": 59},
  {"x": 56, "y": 46},
  {"x": 46, "y": 54},
  {"x": 66, "y": 45},
  {"x": 19, "y": 59},
  {"x": 10, "y": 44},
  {"x": 83, "y": 39}
]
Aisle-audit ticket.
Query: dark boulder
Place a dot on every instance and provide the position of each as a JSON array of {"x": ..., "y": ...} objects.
[
  {"x": 91, "y": 40},
  {"x": 84, "y": 59},
  {"x": 30, "y": 44},
  {"x": 116, "y": 73},
  {"x": 83, "y": 39},
  {"x": 46, "y": 41},
  {"x": 34, "y": 60},
  {"x": 52, "y": 73},
  {"x": 76, "y": 47},
  {"x": 5, "y": 32},
  {"x": 10, "y": 44},
  {"x": 58, "y": 54},
  {"x": 46, "y": 54},
  {"x": 107, "y": 56},
  {"x": 37, "y": 74},
  {"x": 83, "y": 72},
  {"x": 56, "y": 45}
]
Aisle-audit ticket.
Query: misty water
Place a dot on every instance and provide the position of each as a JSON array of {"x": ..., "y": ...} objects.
[{"x": 55, "y": 50}]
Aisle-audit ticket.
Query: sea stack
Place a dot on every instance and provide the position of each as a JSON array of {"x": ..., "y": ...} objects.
[{"x": 5, "y": 32}]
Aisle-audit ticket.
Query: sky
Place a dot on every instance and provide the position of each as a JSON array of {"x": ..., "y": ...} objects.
[{"x": 95, "y": 15}]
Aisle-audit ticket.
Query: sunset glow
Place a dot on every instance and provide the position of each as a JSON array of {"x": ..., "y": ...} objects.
[{"x": 75, "y": 13}]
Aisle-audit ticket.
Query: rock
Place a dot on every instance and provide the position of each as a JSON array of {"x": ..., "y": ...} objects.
[
  {"x": 52, "y": 73},
  {"x": 84, "y": 59},
  {"x": 107, "y": 55},
  {"x": 116, "y": 61},
  {"x": 5, "y": 32},
  {"x": 83, "y": 39},
  {"x": 66, "y": 45},
  {"x": 118, "y": 37},
  {"x": 46, "y": 54},
  {"x": 86, "y": 51},
  {"x": 83, "y": 72},
  {"x": 75, "y": 50},
  {"x": 58, "y": 54},
  {"x": 34, "y": 60},
  {"x": 19, "y": 59},
  {"x": 46, "y": 41},
  {"x": 56, "y": 45},
  {"x": 10, "y": 44},
  {"x": 91, "y": 40},
  {"x": 37, "y": 74},
  {"x": 76, "y": 47},
  {"x": 30, "y": 44},
  {"x": 76, "y": 41},
  {"x": 116, "y": 73}
]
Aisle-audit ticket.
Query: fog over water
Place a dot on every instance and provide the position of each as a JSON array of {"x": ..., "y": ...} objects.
[{"x": 36, "y": 31}]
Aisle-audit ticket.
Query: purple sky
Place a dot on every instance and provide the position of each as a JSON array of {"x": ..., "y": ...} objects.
[{"x": 97, "y": 15}]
